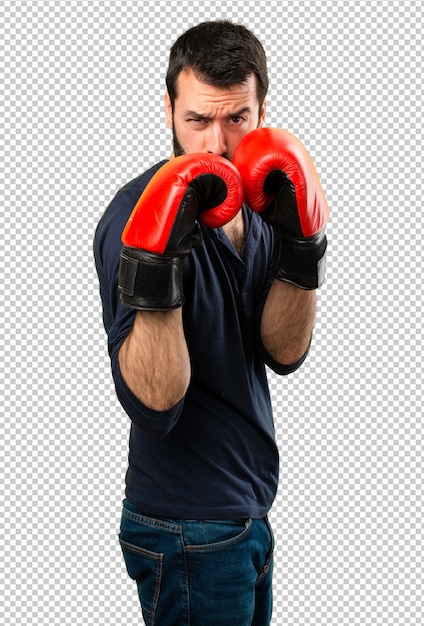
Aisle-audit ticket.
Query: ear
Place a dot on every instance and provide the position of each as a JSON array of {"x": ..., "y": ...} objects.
[
  {"x": 168, "y": 110},
  {"x": 262, "y": 115}
]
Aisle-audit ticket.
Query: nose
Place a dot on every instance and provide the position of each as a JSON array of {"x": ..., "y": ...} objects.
[{"x": 215, "y": 142}]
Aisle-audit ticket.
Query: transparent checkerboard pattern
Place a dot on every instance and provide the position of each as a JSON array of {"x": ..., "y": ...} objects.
[{"x": 81, "y": 113}]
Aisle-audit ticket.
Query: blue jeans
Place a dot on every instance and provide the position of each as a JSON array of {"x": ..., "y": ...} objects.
[{"x": 199, "y": 573}]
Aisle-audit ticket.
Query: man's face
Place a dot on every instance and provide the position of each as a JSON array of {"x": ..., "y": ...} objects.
[{"x": 212, "y": 119}]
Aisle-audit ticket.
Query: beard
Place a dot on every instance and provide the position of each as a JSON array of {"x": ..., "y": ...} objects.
[{"x": 176, "y": 145}]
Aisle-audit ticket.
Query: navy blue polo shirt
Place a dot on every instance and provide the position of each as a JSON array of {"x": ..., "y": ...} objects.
[{"x": 214, "y": 455}]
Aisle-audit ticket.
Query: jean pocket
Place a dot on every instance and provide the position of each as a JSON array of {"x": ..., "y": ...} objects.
[
  {"x": 269, "y": 563},
  {"x": 268, "y": 567},
  {"x": 210, "y": 536},
  {"x": 145, "y": 567}
]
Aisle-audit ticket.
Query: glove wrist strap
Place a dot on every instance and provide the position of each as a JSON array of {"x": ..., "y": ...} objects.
[
  {"x": 300, "y": 262},
  {"x": 150, "y": 282}
]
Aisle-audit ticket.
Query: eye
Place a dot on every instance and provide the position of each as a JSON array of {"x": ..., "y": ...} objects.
[
  {"x": 237, "y": 120},
  {"x": 196, "y": 120}
]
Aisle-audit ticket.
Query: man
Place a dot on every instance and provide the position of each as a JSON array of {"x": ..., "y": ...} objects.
[{"x": 200, "y": 291}]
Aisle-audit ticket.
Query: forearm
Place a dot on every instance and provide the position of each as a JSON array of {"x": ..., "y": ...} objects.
[
  {"x": 154, "y": 359},
  {"x": 287, "y": 321}
]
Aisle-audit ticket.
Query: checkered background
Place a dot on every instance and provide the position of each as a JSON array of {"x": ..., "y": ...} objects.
[{"x": 81, "y": 113}]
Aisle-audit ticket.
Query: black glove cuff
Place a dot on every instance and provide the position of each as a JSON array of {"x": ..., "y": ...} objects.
[
  {"x": 150, "y": 282},
  {"x": 301, "y": 262}
]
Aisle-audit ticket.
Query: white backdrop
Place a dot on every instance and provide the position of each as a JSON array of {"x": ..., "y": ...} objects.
[{"x": 81, "y": 113}]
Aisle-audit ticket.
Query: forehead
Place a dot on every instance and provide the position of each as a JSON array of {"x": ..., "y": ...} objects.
[{"x": 192, "y": 92}]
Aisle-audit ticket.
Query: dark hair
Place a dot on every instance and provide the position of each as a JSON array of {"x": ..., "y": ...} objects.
[{"x": 221, "y": 54}]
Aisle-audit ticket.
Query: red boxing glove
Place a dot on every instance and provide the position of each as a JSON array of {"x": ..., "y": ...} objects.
[
  {"x": 281, "y": 183},
  {"x": 163, "y": 226}
]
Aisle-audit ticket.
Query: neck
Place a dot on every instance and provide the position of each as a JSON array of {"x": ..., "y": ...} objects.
[{"x": 236, "y": 233}]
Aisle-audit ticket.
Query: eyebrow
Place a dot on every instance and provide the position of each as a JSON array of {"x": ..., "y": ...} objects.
[{"x": 201, "y": 116}]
